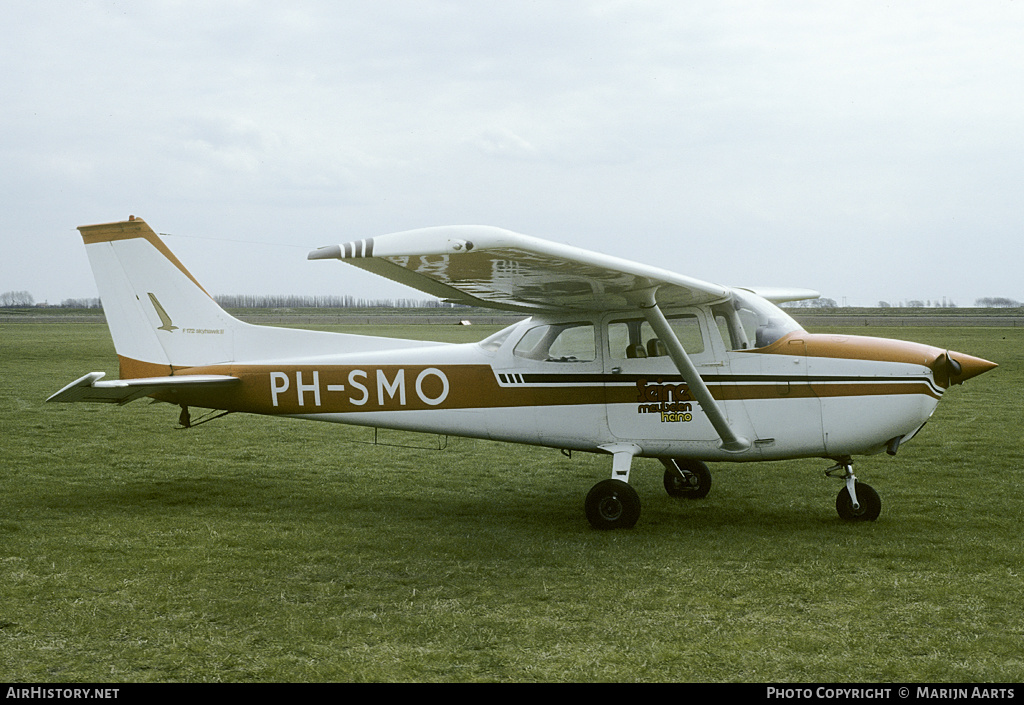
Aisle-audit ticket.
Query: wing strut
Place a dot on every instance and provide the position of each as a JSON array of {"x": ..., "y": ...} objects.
[{"x": 731, "y": 442}]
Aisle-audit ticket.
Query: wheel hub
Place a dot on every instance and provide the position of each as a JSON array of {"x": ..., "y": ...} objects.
[{"x": 610, "y": 508}]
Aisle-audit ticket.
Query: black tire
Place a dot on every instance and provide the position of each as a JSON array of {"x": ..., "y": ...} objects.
[
  {"x": 692, "y": 482},
  {"x": 870, "y": 504},
  {"x": 612, "y": 504}
]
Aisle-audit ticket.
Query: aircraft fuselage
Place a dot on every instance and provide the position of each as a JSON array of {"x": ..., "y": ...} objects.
[{"x": 805, "y": 395}]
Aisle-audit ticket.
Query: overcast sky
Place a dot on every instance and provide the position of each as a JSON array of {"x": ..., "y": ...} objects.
[{"x": 869, "y": 150}]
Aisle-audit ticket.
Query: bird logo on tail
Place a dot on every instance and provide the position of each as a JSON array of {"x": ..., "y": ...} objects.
[{"x": 168, "y": 325}]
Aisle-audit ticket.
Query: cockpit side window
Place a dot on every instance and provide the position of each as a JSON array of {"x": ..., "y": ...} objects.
[{"x": 733, "y": 332}]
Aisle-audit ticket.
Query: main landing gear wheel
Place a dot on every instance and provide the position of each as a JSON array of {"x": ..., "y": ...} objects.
[
  {"x": 870, "y": 504},
  {"x": 612, "y": 504},
  {"x": 690, "y": 479}
]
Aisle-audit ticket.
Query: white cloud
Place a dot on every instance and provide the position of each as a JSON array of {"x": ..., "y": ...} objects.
[{"x": 720, "y": 137}]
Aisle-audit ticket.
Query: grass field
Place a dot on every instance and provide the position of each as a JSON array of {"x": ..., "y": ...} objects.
[{"x": 258, "y": 549}]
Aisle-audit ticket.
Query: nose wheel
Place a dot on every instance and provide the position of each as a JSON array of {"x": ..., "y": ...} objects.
[{"x": 857, "y": 501}]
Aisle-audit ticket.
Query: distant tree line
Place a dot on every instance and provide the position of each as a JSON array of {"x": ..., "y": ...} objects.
[
  {"x": 16, "y": 299},
  {"x": 23, "y": 299},
  {"x": 920, "y": 303},
  {"x": 294, "y": 301},
  {"x": 80, "y": 303},
  {"x": 812, "y": 303},
  {"x": 997, "y": 302}
]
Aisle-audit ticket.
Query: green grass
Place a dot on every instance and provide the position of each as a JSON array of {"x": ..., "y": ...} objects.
[{"x": 258, "y": 549}]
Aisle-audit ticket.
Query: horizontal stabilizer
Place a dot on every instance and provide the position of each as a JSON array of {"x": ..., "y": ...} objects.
[{"x": 121, "y": 391}]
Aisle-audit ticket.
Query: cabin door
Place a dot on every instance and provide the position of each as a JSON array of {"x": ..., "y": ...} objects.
[{"x": 646, "y": 396}]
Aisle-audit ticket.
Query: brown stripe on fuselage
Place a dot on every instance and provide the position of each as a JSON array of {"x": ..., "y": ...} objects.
[
  {"x": 133, "y": 369},
  {"x": 947, "y": 367},
  {"x": 852, "y": 347},
  {"x": 371, "y": 388},
  {"x": 802, "y": 389},
  {"x": 277, "y": 389}
]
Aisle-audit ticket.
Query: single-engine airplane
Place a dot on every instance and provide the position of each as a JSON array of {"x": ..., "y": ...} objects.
[{"x": 615, "y": 357}]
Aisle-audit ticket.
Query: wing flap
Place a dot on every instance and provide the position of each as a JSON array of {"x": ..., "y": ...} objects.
[
  {"x": 89, "y": 388},
  {"x": 486, "y": 266}
]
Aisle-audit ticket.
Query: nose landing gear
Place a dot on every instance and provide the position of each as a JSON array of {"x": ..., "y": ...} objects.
[{"x": 857, "y": 501}]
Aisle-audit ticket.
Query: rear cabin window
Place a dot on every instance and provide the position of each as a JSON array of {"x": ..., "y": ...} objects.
[
  {"x": 494, "y": 342},
  {"x": 567, "y": 342}
]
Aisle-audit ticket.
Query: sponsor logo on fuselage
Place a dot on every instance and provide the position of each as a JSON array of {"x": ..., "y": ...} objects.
[{"x": 670, "y": 402}]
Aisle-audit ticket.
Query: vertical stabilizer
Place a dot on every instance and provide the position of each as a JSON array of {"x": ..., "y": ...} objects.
[{"x": 158, "y": 314}]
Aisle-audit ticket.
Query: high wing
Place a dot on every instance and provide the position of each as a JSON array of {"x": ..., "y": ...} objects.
[
  {"x": 121, "y": 391},
  {"x": 486, "y": 266}
]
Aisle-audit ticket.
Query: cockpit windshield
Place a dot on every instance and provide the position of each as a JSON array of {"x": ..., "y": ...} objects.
[
  {"x": 748, "y": 321},
  {"x": 494, "y": 341}
]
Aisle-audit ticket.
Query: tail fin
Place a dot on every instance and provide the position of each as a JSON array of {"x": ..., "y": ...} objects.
[
  {"x": 159, "y": 316},
  {"x": 161, "y": 319}
]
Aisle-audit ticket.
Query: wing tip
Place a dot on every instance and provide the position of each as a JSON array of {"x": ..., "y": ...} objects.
[
  {"x": 75, "y": 390},
  {"x": 328, "y": 252},
  {"x": 348, "y": 250}
]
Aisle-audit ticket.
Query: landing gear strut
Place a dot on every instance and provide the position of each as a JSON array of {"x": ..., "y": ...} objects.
[
  {"x": 613, "y": 504},
  {"x": 857, "y": 501}
]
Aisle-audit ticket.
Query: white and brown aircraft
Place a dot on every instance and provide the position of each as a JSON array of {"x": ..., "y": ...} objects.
[{"x": 616, "y": 357}]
